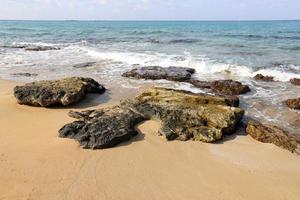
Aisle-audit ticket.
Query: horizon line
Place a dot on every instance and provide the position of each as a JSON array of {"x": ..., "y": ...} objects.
[{"x": 158, "y": 20}]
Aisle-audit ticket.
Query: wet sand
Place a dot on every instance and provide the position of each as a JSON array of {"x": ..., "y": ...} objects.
[{"x": 36, "y": 164}]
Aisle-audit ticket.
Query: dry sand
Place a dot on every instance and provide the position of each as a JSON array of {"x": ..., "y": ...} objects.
[{"x": 36, "y": 164}]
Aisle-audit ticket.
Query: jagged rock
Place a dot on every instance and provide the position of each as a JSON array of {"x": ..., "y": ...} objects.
[
  {"x": 274, "y": 135},
  {"x": 295, "y": 81},
  {"x": 84, "y": 65},
  {"x": 56, "y": 92},
  {"x": 24, "y": 74},
  {"x": 261, "y": 77},
  {"x": 184, "y": 116},
  {"x": 157, "y": 73},
  {"x": 229, "y": 87},
  {"x": 293, "y": 103},
  {"x": 104, "y": 128}
]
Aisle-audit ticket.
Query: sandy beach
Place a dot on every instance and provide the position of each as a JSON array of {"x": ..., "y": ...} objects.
[{"x": 36, "y": 164}]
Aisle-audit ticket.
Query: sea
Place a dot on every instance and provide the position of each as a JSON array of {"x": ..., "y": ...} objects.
[{"x": 215, "y": 49}]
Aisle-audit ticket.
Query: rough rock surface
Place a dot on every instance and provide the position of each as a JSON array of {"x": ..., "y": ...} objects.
[
  {"x": 274, "y": 135},
  {"x": 200, "y": 84},
  {"x": 261, "y": 77},
  {"x": 295, "y": 81},
  {"x": 293, "y": 103},
  {"x": 104, "y": 128},
  {"x": 157, "y": 73},
  {"x": 229, "y": 87},
  {"x": 184, "y": 116},
  {"x": 58, "y": 92}
]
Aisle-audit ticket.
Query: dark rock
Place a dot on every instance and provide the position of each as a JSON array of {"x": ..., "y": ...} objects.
[
  {"x": 24, "y": 74},
  {"x": 261, "y": 77},
  {"x": 41, "y": 48},
  {"x": 184, "y": 116},
  {"x": 157, "y": 73},
  {"x": 229, "y": 87},
  {"x": 58, "y": 92},
  {"x": 293, "y": 103},
  {"x": 274, "y": 135},
  {"x": 84, "y": 65},
  {"x": 295, "y": 81},
  {"x": 104, "y": 128}
]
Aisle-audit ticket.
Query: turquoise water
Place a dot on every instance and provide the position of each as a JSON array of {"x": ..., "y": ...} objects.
[
  {"x": 217, "y": 50},
  {"x": 265, "y": 45}
]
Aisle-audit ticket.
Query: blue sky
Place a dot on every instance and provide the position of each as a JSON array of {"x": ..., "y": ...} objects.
[{"x": 150, "y": 9}]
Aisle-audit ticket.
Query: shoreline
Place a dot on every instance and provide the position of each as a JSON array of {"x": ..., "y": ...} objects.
[{"x": 36, "y": 164}]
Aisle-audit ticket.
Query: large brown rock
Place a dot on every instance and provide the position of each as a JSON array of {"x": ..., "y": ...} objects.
[
  {"x": 184, "y": 116},
  {"x": 229, "y": 87},
  {"x": 157, "y": 73},
  {"x": 273, "y": 134},
  {"x": 56, "y": 92},
  {"x": 293, "y": 103},
  {"x": 295, "y": 81}
]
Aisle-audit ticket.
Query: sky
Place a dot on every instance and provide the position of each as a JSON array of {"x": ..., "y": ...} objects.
[{"x": 150, "y": 9}]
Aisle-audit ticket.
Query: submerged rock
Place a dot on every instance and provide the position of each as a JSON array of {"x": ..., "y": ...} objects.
[
  {"x": 293, "y": 103},
  {"x": 56, "y": 92},
  {"x": 229, "y": 87},
  {"x": 261, "y": 77},
  {"x": 157, "y": 73},
  {"x": 274, "y": 135},
  {"x": 41, "y": 48},
  {"x": 24, "y": 74},
  {"x": 295, "y": 81},
  {"x": 184, "y": 116},
  {"x": 84, "y": 65}
]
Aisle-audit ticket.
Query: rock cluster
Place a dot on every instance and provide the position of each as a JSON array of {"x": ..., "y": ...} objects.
[
  {"x": 184, "y": 116},
  {"x": 57, "y": 92},
  {"x": 274, "y": 135},
  {"x": 182, "y": 74}
]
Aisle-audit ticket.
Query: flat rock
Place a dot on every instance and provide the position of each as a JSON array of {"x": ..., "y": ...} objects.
[
  {"x": 157, "y": 73},
  {"x": 229, "y": 87},
  {"x": 84, "y": 65},
  {"x": 275, "y": 135},
  {"x": 293, "y": 103},
  {"x": 261, "y": 77},
  {"x": 41, "y": 48},
  {"x": 184, "y": 115},
  {"x": 25, "y": 74},
  {"x": 295, "y": 81},
  {"x": 56, "y": 92}
]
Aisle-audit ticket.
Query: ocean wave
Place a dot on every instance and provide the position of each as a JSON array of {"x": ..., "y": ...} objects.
[{"x": 203, "y": 65}]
